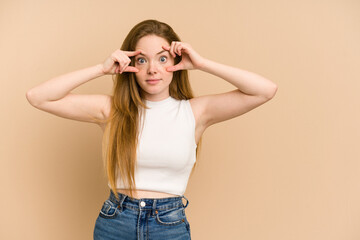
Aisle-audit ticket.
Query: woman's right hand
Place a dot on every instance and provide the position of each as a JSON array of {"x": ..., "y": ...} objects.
[{"x": 118, "y": 62}]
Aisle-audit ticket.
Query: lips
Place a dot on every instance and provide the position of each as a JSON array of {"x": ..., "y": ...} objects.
[{"x": 153, "y": 81}]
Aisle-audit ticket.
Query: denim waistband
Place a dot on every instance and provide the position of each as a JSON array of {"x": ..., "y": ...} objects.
[{"x": 147, "y": 203}]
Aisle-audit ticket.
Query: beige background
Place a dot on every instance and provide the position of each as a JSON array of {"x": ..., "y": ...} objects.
[{"x": 289, "y": 169}]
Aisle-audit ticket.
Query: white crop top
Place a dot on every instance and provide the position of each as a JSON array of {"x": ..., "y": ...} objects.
[{"x": 166, "y": 151}]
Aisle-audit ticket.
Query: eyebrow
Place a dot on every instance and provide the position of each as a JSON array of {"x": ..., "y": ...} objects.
[{"x": 156, "y": 54}]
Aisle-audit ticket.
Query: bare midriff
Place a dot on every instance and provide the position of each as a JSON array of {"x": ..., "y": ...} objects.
[{"x": 146, "y": 194}]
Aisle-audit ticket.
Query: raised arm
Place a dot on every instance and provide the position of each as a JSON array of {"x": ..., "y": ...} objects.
[
  {"x": 54, "y": 96},
  {"x": 252, "y": 90},
  {"x": 58, "y": 87}
]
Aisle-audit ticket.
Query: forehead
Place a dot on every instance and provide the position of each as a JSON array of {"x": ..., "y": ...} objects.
[{"x": 151, "y": 44}]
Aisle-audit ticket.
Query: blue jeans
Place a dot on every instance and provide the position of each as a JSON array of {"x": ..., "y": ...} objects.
[{"x": 142, "y": 219}]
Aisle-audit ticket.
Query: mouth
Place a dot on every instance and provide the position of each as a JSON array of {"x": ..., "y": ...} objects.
[{"x": 153, "y": 81}]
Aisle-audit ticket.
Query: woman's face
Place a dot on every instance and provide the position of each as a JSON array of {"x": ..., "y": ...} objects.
[{"x": 152, "y": 63}]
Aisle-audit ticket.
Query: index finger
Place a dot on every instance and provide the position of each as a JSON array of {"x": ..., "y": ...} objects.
[
  {"x": 167, "y": 48},
  {"x": 132, "y": 53}
]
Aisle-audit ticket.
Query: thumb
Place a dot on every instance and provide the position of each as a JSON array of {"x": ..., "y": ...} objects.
[
  {"x": 175, "y": 67},
  {"x": 131, "y": 69}
]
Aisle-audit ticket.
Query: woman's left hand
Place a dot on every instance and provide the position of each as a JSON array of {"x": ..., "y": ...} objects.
[{"x": 190, "y": 59}]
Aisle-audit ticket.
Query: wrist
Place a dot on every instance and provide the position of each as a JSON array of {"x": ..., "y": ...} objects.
[
  {"x": 100, "y": 70},
  {"x": 203, "y": 65}
]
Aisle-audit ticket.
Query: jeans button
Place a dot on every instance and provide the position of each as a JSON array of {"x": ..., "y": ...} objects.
[{"x": 142, "y": 203}]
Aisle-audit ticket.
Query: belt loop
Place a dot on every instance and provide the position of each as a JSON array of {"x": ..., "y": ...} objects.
[
  {"x": 187, "y": 201},
  {"x": 154, "y": 207},
  {"x": 122, "y": 198}
]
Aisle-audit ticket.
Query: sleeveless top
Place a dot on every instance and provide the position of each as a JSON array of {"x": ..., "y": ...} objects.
[{"x": 166, "y": 151}]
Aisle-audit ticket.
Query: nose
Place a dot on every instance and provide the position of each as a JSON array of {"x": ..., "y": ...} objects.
[{"x": 152, "y": 68}]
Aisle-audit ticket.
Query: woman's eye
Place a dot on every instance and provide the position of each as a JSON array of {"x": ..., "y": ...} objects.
[
  {"x": 163, "y": 57},
  {"x": 139, "y": 60}
]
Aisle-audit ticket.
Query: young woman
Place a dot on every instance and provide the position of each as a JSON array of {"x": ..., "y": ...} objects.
[{"x": 152, "y": 126}]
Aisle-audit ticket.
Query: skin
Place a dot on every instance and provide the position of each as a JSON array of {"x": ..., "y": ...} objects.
[
  {"x": 152, "y": 65},
  {"x": 154, "y": 59},
  {"x": 251, "y": 91}
]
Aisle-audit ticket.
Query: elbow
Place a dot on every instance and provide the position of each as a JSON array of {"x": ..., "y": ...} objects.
[
  {"x": 271, "y": 92},
  {"x": 30, "y": 98}
]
